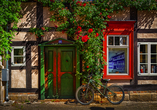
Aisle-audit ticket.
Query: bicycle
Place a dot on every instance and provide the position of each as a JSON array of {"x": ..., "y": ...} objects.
[{"x": 85, "y": 94}]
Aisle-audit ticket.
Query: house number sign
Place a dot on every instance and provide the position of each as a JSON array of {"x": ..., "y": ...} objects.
[{"x": 60, "y": 41}]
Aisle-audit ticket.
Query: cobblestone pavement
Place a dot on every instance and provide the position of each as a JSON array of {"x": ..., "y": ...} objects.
[{"x": 125, "y": 105}]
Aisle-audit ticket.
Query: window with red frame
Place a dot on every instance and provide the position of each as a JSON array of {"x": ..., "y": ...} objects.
[
  {"x": 118, "y": 49},
  {"x": 117, "y": 55}
]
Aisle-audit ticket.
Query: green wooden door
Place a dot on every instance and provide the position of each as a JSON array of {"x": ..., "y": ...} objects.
[
  {"x": 50, "y": 72},
  {"x": 60, "y": 63}
]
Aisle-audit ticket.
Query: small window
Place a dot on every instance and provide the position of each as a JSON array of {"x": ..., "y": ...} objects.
[
  {"x": 147, "y": 58},
  {"x": 18, "y": 56},
  {"x": 117, "y": 50}
]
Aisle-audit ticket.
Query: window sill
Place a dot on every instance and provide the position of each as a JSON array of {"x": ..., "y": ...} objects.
[
  {"x": 18, "y": 65},
  {"x": 117, "y": 77},
  {"x": 147, "y": 74}
]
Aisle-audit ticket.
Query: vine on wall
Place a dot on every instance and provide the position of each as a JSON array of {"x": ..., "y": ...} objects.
[
  {"x": 39, "y": 32},
  {"x": 84, "y": 22}
]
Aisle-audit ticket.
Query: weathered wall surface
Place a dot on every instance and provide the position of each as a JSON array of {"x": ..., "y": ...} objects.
[
  {"x": 119, "y": 82},
  {"x": 48, "y": 36},
  {"x": 18, "y": 78},
  {"x": 24, "y": 36},
  {"x": 46, "y": 18},
  {"x": 147, "y": 82},
  {"x": 29, "y": 14},
  {"x": 147, "y": 35},
  {"x": 121, "y": 15},
  {"x": 147, "y": 19},
  {"x": 34, "y": 78},
  {"x": 34, "y": 55},
  {"x": 46, "y": 22}
]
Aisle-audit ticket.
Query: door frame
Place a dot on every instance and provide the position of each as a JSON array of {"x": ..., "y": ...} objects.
[{"x": 54, "y": 43}]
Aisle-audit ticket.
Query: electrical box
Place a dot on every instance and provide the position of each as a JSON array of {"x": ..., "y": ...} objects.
[{"x": 5, "y": 74}]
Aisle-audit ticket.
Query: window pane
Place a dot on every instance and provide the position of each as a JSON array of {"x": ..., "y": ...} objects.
[
  {"x": 143, "y": 48},
  {"x": 153, "y": 68},
  {"x": 143, "y": 68},
  {"x": 110, "y": 40},
  {"x": 18, "y": 51},
  {"x": 117, "y": 40},
  {"x": 153, "y": 58},
  {"x": 124, "y": 41},
  {"x": 153, "y": 48},
  {"x": 117, "y": 60},
  {"x": 143, "y": 58},
  {"x": 18, "y": 60}
]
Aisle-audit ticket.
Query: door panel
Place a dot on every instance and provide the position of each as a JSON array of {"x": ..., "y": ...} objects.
[
  {"x": 60, "y": 72},
  {"x": 67, "y": 86},
  {"x": 50, "y": 86},
  {"x": 66, "y": 64},
  {"x": 50, "y": 72},
  {"x": 66, "y": 61},
  {"x": 50, "y": 61}
]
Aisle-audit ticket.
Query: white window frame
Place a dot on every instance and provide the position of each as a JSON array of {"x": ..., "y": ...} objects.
[
  {"x": 149, "y": 59},
  {"x": 118, "y": 46},
  {"x": 12, "y": 56}
]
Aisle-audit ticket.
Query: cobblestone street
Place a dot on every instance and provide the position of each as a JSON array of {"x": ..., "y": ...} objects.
[{"x": 125, "y": 105}]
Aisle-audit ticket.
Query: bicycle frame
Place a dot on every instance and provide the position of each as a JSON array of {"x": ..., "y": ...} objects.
[{"x": 92, "y": 82}]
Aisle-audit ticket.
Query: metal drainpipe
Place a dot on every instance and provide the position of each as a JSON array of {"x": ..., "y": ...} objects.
[{"x": 7, "y": 98}]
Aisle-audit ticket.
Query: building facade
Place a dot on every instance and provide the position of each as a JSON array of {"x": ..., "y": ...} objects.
[{"x": 42, "y": 68}]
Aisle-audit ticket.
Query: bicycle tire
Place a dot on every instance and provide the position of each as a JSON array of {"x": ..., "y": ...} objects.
[
  {"x": 82, "y": 97},
  {"x": 116, "y": 98}
]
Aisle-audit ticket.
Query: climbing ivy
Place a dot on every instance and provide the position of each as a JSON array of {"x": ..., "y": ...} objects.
[
  {"x": 9, "y": 12},
  {"x": 83, "y": 22}
]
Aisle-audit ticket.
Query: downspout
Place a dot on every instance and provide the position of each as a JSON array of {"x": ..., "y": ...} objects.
[{"x": 7, "y": 98}]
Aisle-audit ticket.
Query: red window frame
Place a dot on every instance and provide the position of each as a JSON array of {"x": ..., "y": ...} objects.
[{"x": 120, "y": 28}]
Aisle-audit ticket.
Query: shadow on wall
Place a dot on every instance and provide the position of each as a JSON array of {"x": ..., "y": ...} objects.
[
  {"x": 34, "y": 55},
  {"x": 147, "y": 19},
  {"x": 29, "y": 15},
  {"x": 121, "y": 15},
  {"x": 48, "y": 36}
]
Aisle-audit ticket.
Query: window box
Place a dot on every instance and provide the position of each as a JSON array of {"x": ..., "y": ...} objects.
[
  {"x": 147, "y": 58},
  {"x": 18, "y": 56},
  {"x": 118, "y": 50}
]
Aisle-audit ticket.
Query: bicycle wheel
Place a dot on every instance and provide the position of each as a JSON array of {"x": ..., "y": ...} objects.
[
  {"x": 84, "y": 95},
  {"x": 115, "y": 94}
]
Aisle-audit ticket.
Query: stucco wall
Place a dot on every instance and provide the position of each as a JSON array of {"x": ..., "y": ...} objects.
[
  {"x": 147, "y": 35},
  {"x": 18, "y": 78},
  {"x": 35, "y": 78},
  {"x": 34, "y": 55},
  {"x": 119, "y": 82},
  {"x": 147, "y": 82},
  {"x": 147, "y": 19},
  {"x": 46, "y": 22},
  {"x": 28, "y": 13},
  {"x": 48, "y": 36},
  {"x": 121, "y": 15},
  {"x": 46, "y": 18},
  {"x": 24, "y": 36}
]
